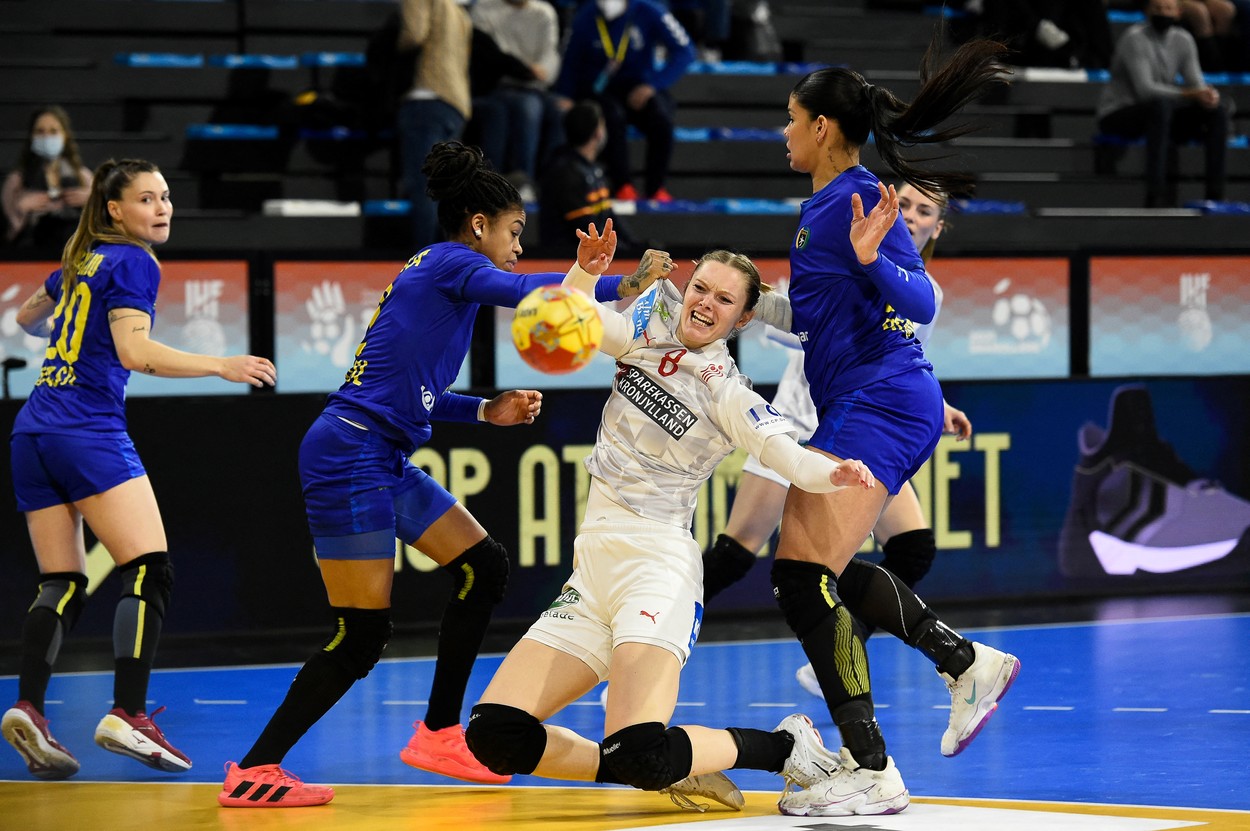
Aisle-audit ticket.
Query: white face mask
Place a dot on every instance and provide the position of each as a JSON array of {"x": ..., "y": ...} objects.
[
  {"x": 612, "y": 9},
  {"x": 47, "y": 147}
]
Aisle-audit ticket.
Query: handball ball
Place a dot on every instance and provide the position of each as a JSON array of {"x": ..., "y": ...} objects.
[{"x": 557, "y": 329}]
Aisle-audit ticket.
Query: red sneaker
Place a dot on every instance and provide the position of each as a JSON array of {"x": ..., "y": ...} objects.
[
  {"x": 626, "y": 193},
  {"x": 444, "y": 751},
  {"x": 268, "y": 786},
  {"x": 138, "y": 737},
  {"x": 661, "y": 195},
  {"x": 27, "y": 730}
]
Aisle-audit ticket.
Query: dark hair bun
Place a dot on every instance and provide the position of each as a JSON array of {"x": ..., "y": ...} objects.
[{"x": 450, "y": 167}]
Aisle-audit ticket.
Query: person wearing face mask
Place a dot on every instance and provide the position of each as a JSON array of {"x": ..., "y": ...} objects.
[
  {"x": 633, "y": 605},
  {"x": 362, "y": 492},
  {"x": 43, "y": 196},
  {"x": 74, "y": 462},
  {"x": 1143, "y": 98},
  {"x": 612, "y": 56}
]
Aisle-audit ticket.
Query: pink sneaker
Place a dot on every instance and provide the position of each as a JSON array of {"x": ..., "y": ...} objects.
[
  {"x": 138, "y": 737},
  {"x": 444, "y": 751},
  {"x": 268, "y": 786},
  {"x": 27, "y": 730}
]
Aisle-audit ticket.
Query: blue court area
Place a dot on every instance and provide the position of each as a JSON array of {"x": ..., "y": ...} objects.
[{"x": 1133, "y": 712}]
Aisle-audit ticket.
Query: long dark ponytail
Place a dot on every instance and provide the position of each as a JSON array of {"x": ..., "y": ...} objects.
[{"x": 861, "y": 108}]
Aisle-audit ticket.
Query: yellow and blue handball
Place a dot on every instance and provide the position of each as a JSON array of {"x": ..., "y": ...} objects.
[{"x": 557, "y": 329}]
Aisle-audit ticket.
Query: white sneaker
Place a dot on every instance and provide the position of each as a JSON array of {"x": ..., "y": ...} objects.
[
  {"x": 714, "y": 786},
  {"x": 603, "y": 698},
  {"x": 807, "y": 680},
  {"x": 809, "y": 761},
  {"x": 975, "y": 695},
  {"x": 852, "y": 790}
]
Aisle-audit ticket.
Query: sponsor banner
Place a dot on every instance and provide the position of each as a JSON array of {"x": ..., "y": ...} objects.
[
  {"x": 1017, "y": 512},
  {"x": 321, "y": 311},
  {"x": 202, "y": 307},
  {"x": 1169, "y": 315},
  {"x": 1001, "y": 318}
]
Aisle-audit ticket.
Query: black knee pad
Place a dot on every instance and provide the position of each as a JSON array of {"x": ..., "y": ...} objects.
[
  {"x": 360, "y": 638},
  {"x": 505, "y": 739},
  {"x": 63, "y": 593},
  {"x": 480, "y": 573},
  {"x": 806, "y": 592},
  {"x": 910, "y": 555},
  {"x": 150, "y": 578},
  {"x": 646, "y": 756}
]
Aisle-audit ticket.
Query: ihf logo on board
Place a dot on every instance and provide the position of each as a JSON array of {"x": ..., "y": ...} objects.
[
  {"x": 202, "y": 332},
  {"x": 1022, "y": 324},
  {"x": 1193, "y": 320}
]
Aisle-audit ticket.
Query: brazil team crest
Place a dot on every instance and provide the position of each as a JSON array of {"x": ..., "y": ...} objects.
[{"x": 801, "y": 239}]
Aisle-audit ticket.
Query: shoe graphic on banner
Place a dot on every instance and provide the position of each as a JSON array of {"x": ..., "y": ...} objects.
[{"x": 1137, "y": 507}]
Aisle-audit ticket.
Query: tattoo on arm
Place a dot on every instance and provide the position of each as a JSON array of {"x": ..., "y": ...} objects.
[
  {"x": 630, "y": 285},
  {"x": 117, "y": 315},
  {"x": 38, "y": 298}
]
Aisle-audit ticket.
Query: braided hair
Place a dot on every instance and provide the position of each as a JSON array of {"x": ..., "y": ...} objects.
[{"x": 463, "y": 184}]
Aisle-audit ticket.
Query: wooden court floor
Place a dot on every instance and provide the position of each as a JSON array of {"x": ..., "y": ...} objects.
[{"x": 1136, "y": 724}]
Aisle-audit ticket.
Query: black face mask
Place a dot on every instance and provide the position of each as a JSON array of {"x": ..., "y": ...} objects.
[{"x": 1161, "y": 23}]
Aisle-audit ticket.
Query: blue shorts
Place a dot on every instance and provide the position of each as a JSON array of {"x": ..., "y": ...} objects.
[
  {"x": 891, "y": 425},
  {"x": 361, "y": 492},
  {"x": 58, "y": 469}
]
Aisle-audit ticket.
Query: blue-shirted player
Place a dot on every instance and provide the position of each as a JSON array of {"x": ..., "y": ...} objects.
[
  {"x": 362, "y": 492},
  {"x": 73, "y": 461},
  {"x": 857, "y": 285}
]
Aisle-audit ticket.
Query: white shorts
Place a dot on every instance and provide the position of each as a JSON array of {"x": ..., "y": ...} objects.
[
  {"x": 633, "y": 581},
  {"x": 794, "y": 400}
]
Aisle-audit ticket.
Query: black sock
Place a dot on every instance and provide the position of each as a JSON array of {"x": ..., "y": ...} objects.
[
  {"x": 317, "y": 687},
  {"x": 724, "y": 564},
  {"x": 861, "y": 734},
  {"x": 760, "y": 749},
  {"x": 41, "y": 631},
  {"x": 459, "y": 638}
]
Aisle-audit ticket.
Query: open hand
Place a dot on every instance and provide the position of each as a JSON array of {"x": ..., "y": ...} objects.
[
  {"x": 868, "y": 231},
  {"x": 594, "y": 250},
  {"x": 851, "y": 472}
]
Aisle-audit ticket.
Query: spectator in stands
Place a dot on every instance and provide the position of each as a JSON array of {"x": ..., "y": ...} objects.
[
  {"x": 529, "y": 31},
  {"x": 707, "y": 22},
  {"x": 574, "y": 189},
  {"x": 1144, "y": 99},
  {"x": 1059, "y": 33},
  {"x": 1211, "y": 24},
  {"x": 43, "y": 195},
  {"x": 611, "y": 56},
  {"x": 438, "y": 105}
]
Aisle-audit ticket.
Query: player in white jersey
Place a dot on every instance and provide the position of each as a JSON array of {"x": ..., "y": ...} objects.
[{"x": 633, "y": 605}]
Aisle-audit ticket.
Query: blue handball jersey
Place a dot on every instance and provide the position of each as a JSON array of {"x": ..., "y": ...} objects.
[
  {"x": 851, "y": 334},
  {"x": 81, "y": 386},
  {"x": 414, "y": 346}
]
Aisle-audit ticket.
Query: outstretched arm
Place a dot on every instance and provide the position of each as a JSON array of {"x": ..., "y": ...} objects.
[{"x": 139, "y": 353}]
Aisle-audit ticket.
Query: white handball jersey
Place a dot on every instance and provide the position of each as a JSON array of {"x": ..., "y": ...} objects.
[{"x": 674, "y": 413}]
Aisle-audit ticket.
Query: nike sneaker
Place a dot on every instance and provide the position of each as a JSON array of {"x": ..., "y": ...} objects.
[
  {"x": 850, "y": 791},
  {"x": 1137, "y": 508},
  {"x": 975, "y": 695}
]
